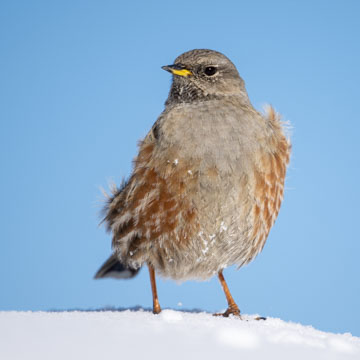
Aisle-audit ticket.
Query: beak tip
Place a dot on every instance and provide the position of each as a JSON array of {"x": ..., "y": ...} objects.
[{"x": 166, "y": 68}]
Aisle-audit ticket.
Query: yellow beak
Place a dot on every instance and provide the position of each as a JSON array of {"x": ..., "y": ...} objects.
[{"x": 177, "y": 70}]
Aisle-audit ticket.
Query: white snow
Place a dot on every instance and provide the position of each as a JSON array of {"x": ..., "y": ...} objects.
[
  {"x": 223, "y": 227},
  {"x": 170, "y": 335}
]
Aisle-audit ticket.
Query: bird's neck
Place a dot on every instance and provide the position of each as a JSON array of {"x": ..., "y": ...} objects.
[{"x": 188, "y": 93}]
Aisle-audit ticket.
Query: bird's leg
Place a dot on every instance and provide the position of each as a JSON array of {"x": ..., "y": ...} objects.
[
  {"x": 156, "y": 305},
  {"x": 232, "y": 307}
]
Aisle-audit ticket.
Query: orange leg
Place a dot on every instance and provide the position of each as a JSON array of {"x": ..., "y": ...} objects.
[
  {"x": 232, "y": 307},
  {"x": 156, "y": 305}
]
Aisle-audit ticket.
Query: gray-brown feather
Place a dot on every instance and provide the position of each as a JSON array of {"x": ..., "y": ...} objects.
[{"x": 208, "y": 182}]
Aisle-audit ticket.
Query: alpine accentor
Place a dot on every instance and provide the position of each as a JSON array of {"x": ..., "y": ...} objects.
[{"x": 207, "y": 183}]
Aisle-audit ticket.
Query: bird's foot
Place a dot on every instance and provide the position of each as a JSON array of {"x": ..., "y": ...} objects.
[
  {"x": 156, "y": 308},
  {"x": 231, "y": 310}
]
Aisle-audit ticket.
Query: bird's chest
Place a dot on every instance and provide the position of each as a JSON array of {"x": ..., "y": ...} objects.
[
  {"x": 212, "y": 138},
  {"x": 210, "y": 151}
]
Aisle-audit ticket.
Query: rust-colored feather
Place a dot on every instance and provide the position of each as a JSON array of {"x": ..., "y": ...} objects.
[
  {"x": 146, "y": 212},
  {"x": 269, "y": 176}
]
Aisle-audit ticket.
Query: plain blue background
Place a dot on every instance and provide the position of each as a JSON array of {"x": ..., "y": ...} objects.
[{"x": 81, "y": 82}]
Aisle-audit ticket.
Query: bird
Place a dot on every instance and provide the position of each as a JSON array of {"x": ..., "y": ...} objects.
[{"x": 206, "y": 185}]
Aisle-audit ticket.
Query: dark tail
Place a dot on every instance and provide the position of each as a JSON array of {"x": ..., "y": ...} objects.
[{"x": 113, "y": 268}]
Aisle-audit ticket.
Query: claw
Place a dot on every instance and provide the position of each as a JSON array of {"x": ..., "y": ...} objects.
[
  {"x": 230, "y": 311},
  {"x": 156, "y": 309}
]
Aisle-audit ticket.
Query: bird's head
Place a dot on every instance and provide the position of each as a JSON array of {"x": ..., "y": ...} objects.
[{"x": 203, "y": 74}]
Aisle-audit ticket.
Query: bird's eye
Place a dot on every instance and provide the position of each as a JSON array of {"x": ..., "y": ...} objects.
[{"x": 210, "y": 70}]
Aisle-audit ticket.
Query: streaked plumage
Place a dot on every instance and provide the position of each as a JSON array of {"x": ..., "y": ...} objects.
[{"x": 208, "y": 181}]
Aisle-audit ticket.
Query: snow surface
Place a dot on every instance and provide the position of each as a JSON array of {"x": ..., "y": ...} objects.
[{"x": 170, "y": 335}]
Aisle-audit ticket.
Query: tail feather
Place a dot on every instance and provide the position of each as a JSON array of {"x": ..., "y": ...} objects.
[{"x": 113, "y": 268}]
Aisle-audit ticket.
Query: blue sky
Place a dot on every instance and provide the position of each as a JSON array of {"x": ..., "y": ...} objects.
[{"x": 81, "y": 83}]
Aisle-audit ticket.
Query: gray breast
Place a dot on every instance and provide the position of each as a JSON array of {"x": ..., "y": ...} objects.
[
  {"x": 220, "y": 140},
  {"x": 217, "y": 132}
]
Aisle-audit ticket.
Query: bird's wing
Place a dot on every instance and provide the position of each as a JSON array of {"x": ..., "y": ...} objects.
[
  {"x": 269, "y": 177},
  {"x": 150, "y": 208}
]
